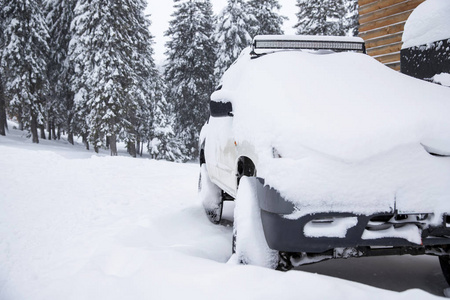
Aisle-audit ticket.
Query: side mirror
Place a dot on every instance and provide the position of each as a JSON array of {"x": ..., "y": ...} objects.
[{"x": 221, "y": 109}]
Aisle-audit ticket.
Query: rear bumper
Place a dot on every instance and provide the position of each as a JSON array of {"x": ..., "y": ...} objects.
[
  {"x": 323, "y": 231},
  {"x": 289, "y": 235}
]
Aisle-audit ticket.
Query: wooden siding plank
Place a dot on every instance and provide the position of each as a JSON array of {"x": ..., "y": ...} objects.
[
  {"x": 394, "y": 65},
  {"x": 384, "y": 40},
  {"x": 388, "y": 11},
  {"x": 379, "y": 32},
  {"x": 365, "y": 2},
  {"x": 401, "y": 17},
  {"x": 376, "y": 5},
  {"x": 389, "y": 58},
  {"x": 385, "y": 49}
]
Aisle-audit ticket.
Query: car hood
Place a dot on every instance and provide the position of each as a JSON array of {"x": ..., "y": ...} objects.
[{"x": 345, "y": 105}]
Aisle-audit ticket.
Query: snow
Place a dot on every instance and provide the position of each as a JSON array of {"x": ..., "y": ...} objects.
[
  {"x": 442, "y": 78},
  {"x": 409, "y": 231},
  {"x": 348, "y": 129},
  {"x": 429, "y": 22},
  {"x": 209, "y": 194},
  {"x": 75, "y": 225},
  {"x": 439, "y": 147},
  {"x": 337, "y": 227},
  {"x": 251, "y": 245}
]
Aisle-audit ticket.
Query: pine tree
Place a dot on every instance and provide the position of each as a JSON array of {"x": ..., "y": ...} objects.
[
  {"x": 189, "y": 72},
  {"x": 163, "y": 144},
  {"x": 104, "y": 53},
  {"x": 324, "y": 17},
  {"x": 145, "y": 81},
  {"x": 268, "y": 20},
  {"x": 351, "y": 22},
  {"x": 24, "y": 62},
  {"x": 60, "y": 107},
  {"x": 233, "y": 34}
]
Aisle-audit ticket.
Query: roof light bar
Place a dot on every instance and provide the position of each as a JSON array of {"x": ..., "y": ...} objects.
[{"x": 264, "y": 43}]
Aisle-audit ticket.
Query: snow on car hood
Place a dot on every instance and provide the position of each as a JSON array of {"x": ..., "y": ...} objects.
[{"x": 349, "y": 129}]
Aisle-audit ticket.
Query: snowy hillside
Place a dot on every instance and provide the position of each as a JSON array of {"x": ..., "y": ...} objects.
[{"x": 74, "y": 225}]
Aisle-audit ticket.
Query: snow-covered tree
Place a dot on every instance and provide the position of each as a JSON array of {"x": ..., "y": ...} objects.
[
  {"x": 145, "y": 76},
  {"x": 189, "y": 72},
  {"x": 266, "y": 14},
  {"x": 233, "y": 33},
  {"x": 60, "y": 107},
  {"x": 108, "y": 57},
  {"x": 24, "y": 61},
  {"x": 321, "y": 17},
  {"x": 163, "y": 144},
  {"x": 351, "y": 22}
]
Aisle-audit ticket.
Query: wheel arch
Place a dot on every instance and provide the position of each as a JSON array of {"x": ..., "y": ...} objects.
[{"x": 245, "y": 167}]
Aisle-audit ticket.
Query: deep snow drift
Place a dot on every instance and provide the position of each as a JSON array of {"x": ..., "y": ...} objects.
[{"x": 74, "y": 225}]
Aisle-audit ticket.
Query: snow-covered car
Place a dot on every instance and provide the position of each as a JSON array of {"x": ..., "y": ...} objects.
[{"x": 327, "y": 154}]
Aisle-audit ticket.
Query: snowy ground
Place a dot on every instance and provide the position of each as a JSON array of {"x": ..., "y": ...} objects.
[{"x": 74, "y": 225}]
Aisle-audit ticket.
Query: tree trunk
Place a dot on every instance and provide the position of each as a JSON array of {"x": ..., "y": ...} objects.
[
  {"x": 138, "y": 147},
  {"x": 54, "y": 131},
  {"x": 42, "y": 128},
  {"x": 3, "y": 119},
  {"x": 85, "y": 141},
  {"x": 131, "y": 149},
  {"x": 69, "y": 129},
  {"x": 142, "y": 148},
  {"x": 19, "y": 119},
  {"x": 49, "y": 129},
  {"x": 113, "y": 145},
  {"x": 34, "y": 129},
  {"x": 70, "y": 137}
]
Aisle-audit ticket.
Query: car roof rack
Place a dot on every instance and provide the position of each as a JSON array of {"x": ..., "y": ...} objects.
[{"x": 263, "y": 44}]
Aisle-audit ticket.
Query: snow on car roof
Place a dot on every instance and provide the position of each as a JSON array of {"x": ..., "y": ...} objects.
[{"x": 346, "y": 126}]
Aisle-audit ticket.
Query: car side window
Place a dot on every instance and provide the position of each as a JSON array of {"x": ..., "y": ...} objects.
[{"x": 221, "y": 109}]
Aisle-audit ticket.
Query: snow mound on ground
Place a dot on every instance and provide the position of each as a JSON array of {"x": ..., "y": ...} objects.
[
  {"x": 429, "y": 22},
  {"x": 442, "y": 78}
]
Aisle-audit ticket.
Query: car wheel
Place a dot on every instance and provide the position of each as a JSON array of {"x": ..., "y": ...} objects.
[
  {"x": 249, "y": 244},
  {"x": 210, "y": 195},
  {"x": 445, "y": 266}
]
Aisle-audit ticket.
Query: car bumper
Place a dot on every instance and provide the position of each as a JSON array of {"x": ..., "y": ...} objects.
[{"x": 324, "y": 231}]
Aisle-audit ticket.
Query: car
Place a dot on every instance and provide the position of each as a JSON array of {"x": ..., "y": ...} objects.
[{"x": 327, "y": 154}]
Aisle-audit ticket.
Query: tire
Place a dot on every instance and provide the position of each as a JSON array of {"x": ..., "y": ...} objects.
[
  {"x": 445, "y": 266},
  {"x": 210, "y": 195},
  {"x": 249, "y": 244}
]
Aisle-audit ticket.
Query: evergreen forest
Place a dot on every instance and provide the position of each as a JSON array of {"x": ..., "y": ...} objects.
[{"x": 85, "y": 69}]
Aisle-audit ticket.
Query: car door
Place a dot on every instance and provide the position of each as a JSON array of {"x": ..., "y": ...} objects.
[{"x": 220, "y": 149}]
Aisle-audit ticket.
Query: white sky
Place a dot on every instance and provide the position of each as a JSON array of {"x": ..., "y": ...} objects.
[{"x": 161, "y": 10}]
